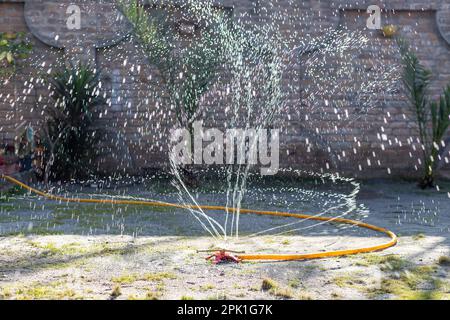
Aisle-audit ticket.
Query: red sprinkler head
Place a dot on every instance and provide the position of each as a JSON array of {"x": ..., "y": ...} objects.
[{"x": 222, "y": 256}]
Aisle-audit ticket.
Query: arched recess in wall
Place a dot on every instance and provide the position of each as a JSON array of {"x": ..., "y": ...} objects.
[
  {"x": 443, "y": 22},
  {"x": 101, "y": 24}
]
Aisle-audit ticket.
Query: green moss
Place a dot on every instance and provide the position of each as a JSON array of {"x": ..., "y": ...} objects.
[{"x": 187, "y": 298}]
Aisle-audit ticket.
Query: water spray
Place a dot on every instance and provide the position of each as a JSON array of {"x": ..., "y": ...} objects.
[{"x": 228, "y": 253}]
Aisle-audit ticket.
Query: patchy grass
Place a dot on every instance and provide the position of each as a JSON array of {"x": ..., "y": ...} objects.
[
  {"x": 150, "y": 295},
  {"x": 36, "y": 231},
  {"x": 218, "y": 296},
  {"x": 305, "y": 296},
  {"x": 207, "y": 287},
  {"x": 294, "y": 283},
  {"x": 116, "y": 291},
  {"x": 129, "y": 278},
  {"x": 349, "y": 280},
  {"x": 390, "y": 262},
  {"x": 403, "y": 281},
  {"x": 336, "y": 295},
  {"x": 5, "y": 293},
  {"x": 37, "y": 291},
  {"x": 268, "y": 284},
  {"x": 11, "y": 192},
  {"x": 403, "y": 291},
  {"x": 415, "y": 283},
  {"x": 444, "y": 261},
  {"x": 79, "y": 217},
  {"x": 158, "y": 276},
  {"x": 418, "y": 236},
  {"x": 275, "y": 289},
  {"x": 125, "y": 279},
  {"x": 51, "y": 248},
  {"x": 284, "y": 293}
]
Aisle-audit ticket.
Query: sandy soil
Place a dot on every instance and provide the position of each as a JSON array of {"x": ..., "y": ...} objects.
[{"x": 73, "y": 261}]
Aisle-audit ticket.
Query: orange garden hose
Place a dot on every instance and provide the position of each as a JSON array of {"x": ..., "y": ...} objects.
[{"x": 263, "y": 256}]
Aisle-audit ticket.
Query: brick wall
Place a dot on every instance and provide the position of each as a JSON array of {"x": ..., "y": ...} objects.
[{"x": 372, "y": 141}]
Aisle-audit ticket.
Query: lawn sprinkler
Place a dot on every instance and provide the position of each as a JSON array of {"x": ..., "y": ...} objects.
[{"x": 222, "y": 256}]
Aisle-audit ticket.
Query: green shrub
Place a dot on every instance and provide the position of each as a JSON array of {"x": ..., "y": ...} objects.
[
  {"x": 13, "y": 46},
  {"x": 71, "y": 139}
]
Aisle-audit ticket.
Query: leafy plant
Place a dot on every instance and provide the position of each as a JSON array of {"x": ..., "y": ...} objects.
[
  {"x": 440, "y": 118},
  {"x": 416, "y": 79},
  {"x": 70, "y": 137},
  {"x": 187, "y": 69},
  {"x": 13, "y": 46}
]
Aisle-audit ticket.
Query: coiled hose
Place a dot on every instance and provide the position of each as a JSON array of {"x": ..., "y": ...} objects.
[{"x": 254, "y": 257}]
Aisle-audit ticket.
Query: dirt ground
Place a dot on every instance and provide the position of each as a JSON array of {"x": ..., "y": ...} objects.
[{"x": 43, "y": 256}]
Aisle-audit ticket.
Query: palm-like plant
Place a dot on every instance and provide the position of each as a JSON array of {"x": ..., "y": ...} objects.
[
  {"x": 440, "y": 118},
  {"x": 416, "y": 79},
  {"x": 69, "y": 134},
  {"x": 187, "y": 72}
]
